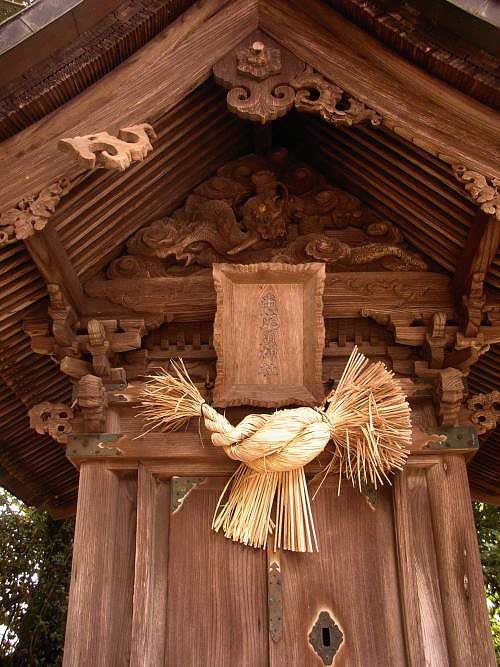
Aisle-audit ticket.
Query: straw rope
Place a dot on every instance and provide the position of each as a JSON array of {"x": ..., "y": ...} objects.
[{"x": 366, "y": 418}]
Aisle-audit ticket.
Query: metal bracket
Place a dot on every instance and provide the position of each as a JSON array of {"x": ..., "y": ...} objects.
[
  {"x": 456, "y": 437},
  {"x": 93, "y": 444},
  {"x": 370, "y": 494},
  {"x": 275, "y": 602},
  {"x": 180, "y": 487}
]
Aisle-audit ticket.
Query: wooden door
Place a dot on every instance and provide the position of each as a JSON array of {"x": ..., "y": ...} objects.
[
  {"x": 353, "y": 579},
  {"x": 153, "y": 586},
  {"x": 217, "y": 591}
]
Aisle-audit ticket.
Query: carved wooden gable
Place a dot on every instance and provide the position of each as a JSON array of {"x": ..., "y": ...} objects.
[{"x": 259, "y": 209}]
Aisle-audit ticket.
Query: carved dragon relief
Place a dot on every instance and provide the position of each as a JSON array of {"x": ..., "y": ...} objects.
[{"x": 257, "y": 209}]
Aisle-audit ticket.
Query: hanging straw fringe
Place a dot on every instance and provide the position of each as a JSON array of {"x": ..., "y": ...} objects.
[{"x": 366, "y": 417}]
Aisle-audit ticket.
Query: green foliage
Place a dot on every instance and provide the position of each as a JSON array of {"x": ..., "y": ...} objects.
[
  {"x": 35, "y": 568},
  {"x": 9, "y": 8},
  {"x": 487, "y": 519}
]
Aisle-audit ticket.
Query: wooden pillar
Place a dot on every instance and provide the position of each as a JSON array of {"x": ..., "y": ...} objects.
[
  {"x": 442, "y": 591},
  {"x": 102, "y": 579},
  {"x": 462, "y": 588},
  {"x": 149, "y": 629}
]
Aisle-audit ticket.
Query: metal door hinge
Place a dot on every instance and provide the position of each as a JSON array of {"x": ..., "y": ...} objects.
[
  {"x": 180, "y": 487},
  {"x": 275, "y": 602}
]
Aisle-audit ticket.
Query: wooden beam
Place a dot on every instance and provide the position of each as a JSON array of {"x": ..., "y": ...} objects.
[
  {"x": 413, "y": 103},
  {"x": 481, "y": 247},
  {"x": 153, "y": 80},
  {"x": 184, "y": 453},
  {"x": 54, "y": 264},
  {"x": 407, "y": 295}
]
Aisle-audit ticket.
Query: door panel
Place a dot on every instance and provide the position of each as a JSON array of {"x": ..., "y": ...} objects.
[
  {"x": 217, "y": 591},
  {"x": 353, "y": 578}
]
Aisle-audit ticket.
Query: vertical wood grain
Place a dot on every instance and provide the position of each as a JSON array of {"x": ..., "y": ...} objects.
[
  {"x": 418, "y": 575},
  {"x": 151, "y": 572},
  {"x": 100, "y": 601},
  {"x": 462, "y": 589},
  {"x": 217, "y": 597},
  {"x": 353, "y": 577}
]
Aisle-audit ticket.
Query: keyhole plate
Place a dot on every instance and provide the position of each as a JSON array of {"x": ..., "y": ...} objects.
[{"x": 326, "y": 637}]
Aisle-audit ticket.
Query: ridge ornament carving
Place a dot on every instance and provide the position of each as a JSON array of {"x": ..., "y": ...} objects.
[
  {"x": 315, "y": 95},
  {"x": 259, "y": 61},
  {"x": 483, "y": 190},
  {"x": 257, "y": 74}
]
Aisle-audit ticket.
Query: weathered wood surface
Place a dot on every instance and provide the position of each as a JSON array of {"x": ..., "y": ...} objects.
[
  {"x": 412, "y": 103},
  {"x": 154, "y": 79},
  {"x": 418, "y": 576},
  {"x": 149, "y": 622},
  {"x": 102, "y": 578},
  {"x": 353, "y": 577},
  {"x": 217, "y": 606},
  {"x": 199, "y": 598},
  {"x": 440, "y": 119},
  {"x": 462, "y": 589}
]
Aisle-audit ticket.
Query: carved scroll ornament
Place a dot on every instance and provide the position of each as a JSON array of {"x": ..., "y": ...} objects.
[
  {"x": 103, "y": 150},
  {"x": 32, "y": 213},
  {"x": 52, "y": 419},
  {"x": 314, "y": 94},
  {"x": 257, "y": 74},
  {"x": 482, "y": 189},
  {"x": 485, "y": 411}
]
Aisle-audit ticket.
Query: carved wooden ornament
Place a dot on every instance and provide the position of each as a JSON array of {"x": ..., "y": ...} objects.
[
  {"x": 315, "y": 95},
  {"x": 257, "y": 74},
  {"x": 53, "y": 419},
  {"x": 483, "y": 190},
  {"x": 269, "y": 334},
  {"x": 485, "y": 411},
  {"x": 103, "y": 150}
]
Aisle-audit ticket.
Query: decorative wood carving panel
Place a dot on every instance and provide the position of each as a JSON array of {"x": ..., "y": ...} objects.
[
  {"x": 269, "y": 334},
  {"x": 266, "y": 209}
]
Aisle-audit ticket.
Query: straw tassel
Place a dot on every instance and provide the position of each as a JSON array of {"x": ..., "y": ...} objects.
[{"x": 366, "y": 418}]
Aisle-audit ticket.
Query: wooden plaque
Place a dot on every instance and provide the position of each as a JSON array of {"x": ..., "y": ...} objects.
[{"x": 269, "y": 334}]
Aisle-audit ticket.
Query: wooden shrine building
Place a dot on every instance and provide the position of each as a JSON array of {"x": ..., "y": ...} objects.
[{"x": 256, "y": 187}]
